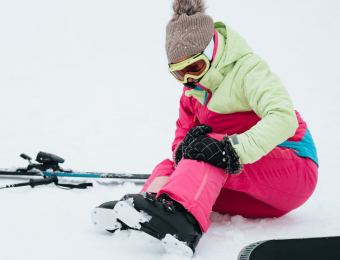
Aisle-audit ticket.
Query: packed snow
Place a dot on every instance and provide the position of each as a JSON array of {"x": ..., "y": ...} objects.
[{"x": 87, "y": 80}]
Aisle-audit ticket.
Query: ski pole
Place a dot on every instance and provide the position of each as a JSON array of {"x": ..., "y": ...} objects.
[
  {"x": 34, "y": 182},
  {"x": 141, "y": 177},
  {"x": 53, "y": 178},
  {"x": 49, "y": 164}
]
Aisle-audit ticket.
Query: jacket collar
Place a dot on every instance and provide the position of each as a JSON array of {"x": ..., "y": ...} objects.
[{"x": 230, "y": 48}]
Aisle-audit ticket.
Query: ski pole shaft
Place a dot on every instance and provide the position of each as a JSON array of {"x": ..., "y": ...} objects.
[
  {"x": 15, "y": 185},
  {"x": 34, "y": 182},
  {"x": 12, "y": 173},
  {"x": 142, "y": 177}
]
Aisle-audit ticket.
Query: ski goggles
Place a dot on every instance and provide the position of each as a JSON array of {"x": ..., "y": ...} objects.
[{"x": 194, "y": 67}]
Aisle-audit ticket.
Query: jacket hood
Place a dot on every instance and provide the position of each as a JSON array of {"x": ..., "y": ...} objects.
[
  {"x": 231, "y": 48},
  {"x": 235, "y": 46}
]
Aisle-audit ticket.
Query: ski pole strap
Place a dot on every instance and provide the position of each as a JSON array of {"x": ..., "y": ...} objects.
[{"x": 71, "y": 186}]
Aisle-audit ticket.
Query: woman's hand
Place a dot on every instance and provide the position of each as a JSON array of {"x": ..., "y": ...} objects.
[
  {"x": 206, "y": 149},
  {"x": 195, "y": 132},
  {"x": 197, "y": 146}
]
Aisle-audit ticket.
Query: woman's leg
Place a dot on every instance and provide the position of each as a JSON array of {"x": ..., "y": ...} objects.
[
  {"x": 273, "y": 186},
  {"x": 196, "y": 185},
  {"x": 159, "y": 176},
  {"x": 239, "y": 203},
  {"x": 278, "y": 183}
]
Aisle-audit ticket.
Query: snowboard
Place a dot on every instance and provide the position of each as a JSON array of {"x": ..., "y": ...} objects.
[{"x": 321, "y": 248}]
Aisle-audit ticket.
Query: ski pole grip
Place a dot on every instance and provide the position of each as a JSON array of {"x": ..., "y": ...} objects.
[{"x": 46, "y": 181}]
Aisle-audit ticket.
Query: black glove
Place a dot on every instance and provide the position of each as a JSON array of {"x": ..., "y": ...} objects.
[
  {"x": 193, "y": 133},
  {"x": 218, "y": 153},
  {"x": 206, "y": 149},
  {"x": 197, "y": 146}
]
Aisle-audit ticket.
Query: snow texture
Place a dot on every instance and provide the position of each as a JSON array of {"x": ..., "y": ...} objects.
[
  {"x": 130, "y": 202},
  {"x": 143, "y": 194},
  {"x": 73, "y": 83},
  {"x": 146, "y": 215}
]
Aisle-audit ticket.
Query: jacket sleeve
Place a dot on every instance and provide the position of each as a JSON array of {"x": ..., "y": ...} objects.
[
  {"x": 269, "y": 99},
  {"x": 187, "y": 119}
]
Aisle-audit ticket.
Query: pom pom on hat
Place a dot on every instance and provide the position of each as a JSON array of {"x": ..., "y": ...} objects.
[{"x": 188, "y": 7}]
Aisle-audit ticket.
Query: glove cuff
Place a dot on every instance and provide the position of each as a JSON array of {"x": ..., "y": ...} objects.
[
  {"x": 234, "y": 166},
  {"x": 178, "y": 153}
]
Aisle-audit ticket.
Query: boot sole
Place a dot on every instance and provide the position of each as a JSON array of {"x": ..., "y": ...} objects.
[{"x": 106, "y": 219}]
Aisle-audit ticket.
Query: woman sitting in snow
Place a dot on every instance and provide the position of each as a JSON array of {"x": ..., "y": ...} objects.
[{"x": 239, "y": 148}]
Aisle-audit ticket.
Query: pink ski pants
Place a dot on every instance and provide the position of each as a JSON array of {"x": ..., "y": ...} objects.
[{"x": 271, "y": 187}]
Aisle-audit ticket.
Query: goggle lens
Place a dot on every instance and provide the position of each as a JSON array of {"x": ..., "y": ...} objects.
[{"x": 195, "y": 69}]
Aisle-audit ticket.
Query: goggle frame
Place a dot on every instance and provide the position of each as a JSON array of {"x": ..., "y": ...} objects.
[{"x": 183, "y": 64}]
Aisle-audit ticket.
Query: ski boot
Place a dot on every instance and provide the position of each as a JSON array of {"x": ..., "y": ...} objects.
[
  {"x": 103, "y": 217},
  {"x": 162, "y": 218}
]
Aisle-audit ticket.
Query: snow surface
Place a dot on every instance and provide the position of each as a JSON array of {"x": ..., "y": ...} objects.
[{"x": 88, "y": 81}]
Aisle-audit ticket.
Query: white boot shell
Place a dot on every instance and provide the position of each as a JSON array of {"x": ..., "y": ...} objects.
[
  {"x": 106, "y": 219},
  {"x": 173, "y": 246}
]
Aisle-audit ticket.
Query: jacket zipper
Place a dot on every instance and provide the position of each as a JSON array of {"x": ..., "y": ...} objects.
[{"x": 207, "y": 94}]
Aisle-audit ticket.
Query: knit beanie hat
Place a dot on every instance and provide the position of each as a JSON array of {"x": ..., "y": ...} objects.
[{"x": 189, "y": 31}]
